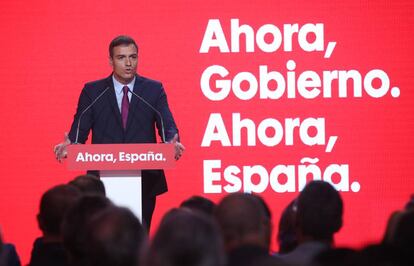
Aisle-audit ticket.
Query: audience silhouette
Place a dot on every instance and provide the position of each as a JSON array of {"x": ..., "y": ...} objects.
[
  {"x": 54, "y": 204},
  {"x": 286, "y": 236},
  {"x": 318, "y": 218},
  {"x": 245, "y": 226},
  {"x": 198, "y": 203},
  {"x": 81, "y": 227},
  {"x": 186, "y": 238},
  {"x": 75, "y": 227},
  {"x": 89, "y": 184},
  {"x": 114, "y": 236}
]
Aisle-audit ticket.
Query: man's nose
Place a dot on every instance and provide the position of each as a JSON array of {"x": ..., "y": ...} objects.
[{"x": 128, "y": 62}]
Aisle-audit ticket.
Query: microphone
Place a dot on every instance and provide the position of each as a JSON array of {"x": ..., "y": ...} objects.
[
  {"x": 84, "y": 111},
  {"x": 155, "y": 110}
]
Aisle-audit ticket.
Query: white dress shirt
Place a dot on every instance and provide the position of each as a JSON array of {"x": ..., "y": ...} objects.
[{"x": 119, "y": 90}]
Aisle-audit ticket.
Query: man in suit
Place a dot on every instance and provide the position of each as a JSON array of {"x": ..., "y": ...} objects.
[{"x": 119, "y": 116}]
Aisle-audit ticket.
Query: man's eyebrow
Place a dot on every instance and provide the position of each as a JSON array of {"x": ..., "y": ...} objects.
[{"x": 124, "y": 55}]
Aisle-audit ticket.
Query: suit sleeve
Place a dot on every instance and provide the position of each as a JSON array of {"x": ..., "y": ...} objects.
[
  {"x": 86, "y": 120},
  {"x": 169, "y": 123}
]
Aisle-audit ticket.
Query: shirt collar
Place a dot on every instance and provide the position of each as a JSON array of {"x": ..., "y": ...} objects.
[{"x": 118, "y": 85}]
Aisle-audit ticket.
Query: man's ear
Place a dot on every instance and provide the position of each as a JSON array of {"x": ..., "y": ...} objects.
[{"x": 111, "y": 61}]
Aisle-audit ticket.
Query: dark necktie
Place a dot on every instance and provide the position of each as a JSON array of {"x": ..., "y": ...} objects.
[{"x": 125, "y": 106}]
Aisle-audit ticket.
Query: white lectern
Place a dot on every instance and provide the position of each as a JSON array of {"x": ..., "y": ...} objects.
[{"x": 120, "y": 167}]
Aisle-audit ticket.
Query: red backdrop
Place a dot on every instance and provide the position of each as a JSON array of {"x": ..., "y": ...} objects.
[{"x": 50, "y": 49}]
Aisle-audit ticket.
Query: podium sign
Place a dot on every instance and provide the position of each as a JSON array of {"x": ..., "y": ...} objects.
[
  {"x": 120, "y": 167},
  {"x": 120, "y": 156}
]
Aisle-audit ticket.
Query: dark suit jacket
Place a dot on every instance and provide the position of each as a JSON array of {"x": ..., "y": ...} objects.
[
  {"x": 104, "y": 119},
  {"x": 47, "y": 254}
]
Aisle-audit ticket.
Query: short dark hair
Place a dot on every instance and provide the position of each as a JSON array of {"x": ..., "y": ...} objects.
[
  {"x": 241, "y": 216},
  {"x": 410, "y": 203},
  {"x": 54, "y": 205},
  {"x": 199, "y": 203},
  {"x": 115, "y": 236},
  {"x": 186, "y": 237},
  {"x": 121, "y": 40},
  {"x": 287, "y": 237},
  {"x": 89, "y": 184},
  {"x": 74, "y": 227},
  {"x": 320, "y": 210},
  {"x": 404, "y": 231}
]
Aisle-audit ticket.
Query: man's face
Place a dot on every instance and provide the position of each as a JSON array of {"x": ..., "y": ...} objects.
[{"x": 124, "y": 62}]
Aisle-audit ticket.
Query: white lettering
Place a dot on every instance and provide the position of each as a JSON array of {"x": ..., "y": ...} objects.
[
  {"x": 307, "y": 84},
  {"x": 216, "y": 131},
  {"x": 214, "y": 37},
  {"x": 210, "y": 177},
  {"x": 94, "y": 157},
  {"x": 281, "y": 178}
]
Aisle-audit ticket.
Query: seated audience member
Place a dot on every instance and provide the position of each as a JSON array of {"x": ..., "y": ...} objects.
[
  {"x": 319, "y": 217},
  {"x": 48, "y": 249},
  {"x": 89, "y": 184},
  {"x": 246, "y": 228},
  {"x": 115, "y": 237},
  {"x": 286, "y": 236},
  {"x": 199, "y": 203},
  {"x": 8, "y": 254},
  {"x": 186, "y": 238},
  {"x": 75, "y": 226}
]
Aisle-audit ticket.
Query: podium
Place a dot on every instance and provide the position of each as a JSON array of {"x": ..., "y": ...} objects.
[{"x": 120, "y": 167}]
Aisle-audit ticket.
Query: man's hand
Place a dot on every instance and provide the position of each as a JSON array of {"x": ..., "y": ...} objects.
[
  {"x": 60, "y": 149},
  {"x": 179, "y": 148}
]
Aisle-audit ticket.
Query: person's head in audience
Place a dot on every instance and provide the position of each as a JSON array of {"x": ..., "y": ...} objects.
[
  {"x": 54, "y": 205},
  {"x": 115, "y": 237},
  {"x": 319, "y": 212},
  {"x": 403, "y": 237},
  {"x": 400, "y": 230},
  {"x": 287, "y": 237},
  {"x": 243, "y": 220},
  {"x": 74, "y": 226},
  {"x": 199, "y": 203},
  {"x": 89, "y": 184},
  {"x": 186, "y": 238},
  {"x": 268, "y": 216},
  {"x": 266, "y": 208},
  {"x": 410, "y": 203},
  {"x": 391, "y": 227}
]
